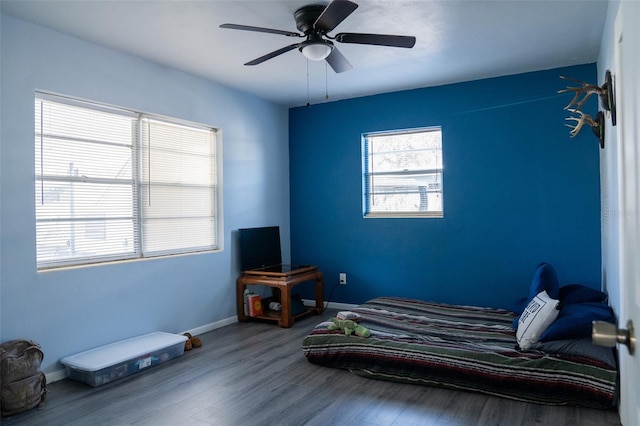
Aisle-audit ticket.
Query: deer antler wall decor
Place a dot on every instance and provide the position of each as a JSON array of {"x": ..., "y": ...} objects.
[
  {"x": 597, "y": 124},
  {"x": 582, "y": 93}
]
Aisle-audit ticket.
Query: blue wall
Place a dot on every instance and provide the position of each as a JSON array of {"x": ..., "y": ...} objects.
[
  {"x": 517, "y": 191},
  {"x": 71, "y": 310}
]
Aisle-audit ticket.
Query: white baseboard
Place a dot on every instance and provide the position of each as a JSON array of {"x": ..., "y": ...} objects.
[
  {"x": 54, "y": 376},
  {"x": 212, "y": 326}
]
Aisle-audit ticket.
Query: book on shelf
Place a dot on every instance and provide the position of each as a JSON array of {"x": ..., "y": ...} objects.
[
  {"x": 254, "y": 303},
  {"x": 245, "y": 298}
]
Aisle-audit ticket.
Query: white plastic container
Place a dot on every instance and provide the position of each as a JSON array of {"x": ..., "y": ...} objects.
[{"x": 120, "y": 359}]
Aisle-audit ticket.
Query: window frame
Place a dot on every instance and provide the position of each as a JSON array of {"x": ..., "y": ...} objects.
[
  {"x": 138, "y": 252},
  {"x": 368, "y": 175}
]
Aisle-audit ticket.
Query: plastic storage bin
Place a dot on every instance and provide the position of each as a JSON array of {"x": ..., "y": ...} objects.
[{"x": 120, "y": 359}]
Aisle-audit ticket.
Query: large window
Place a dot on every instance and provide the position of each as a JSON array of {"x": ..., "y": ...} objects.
[
  {"x": 402, "y": 173},
  {"x": 115, "y": 184}
]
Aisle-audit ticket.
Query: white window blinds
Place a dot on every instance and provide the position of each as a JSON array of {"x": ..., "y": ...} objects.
[
  {"x": 177, "y": 188},
  {"x": 114, "y": 184},
  {"x": 402, "y": 173}
]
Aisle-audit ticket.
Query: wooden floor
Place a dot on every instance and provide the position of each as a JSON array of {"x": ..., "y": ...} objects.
[{"x": 256, "y": 374}]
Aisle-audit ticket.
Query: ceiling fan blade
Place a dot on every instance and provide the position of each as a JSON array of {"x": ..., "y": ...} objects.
[
  {"x": 260, "y": 30},
  {"x": 337, "y": 61},
  {"x": 336, "y": 12},
  {"x": 273, "y": 54},
  {"x": 377, "y": 39}
]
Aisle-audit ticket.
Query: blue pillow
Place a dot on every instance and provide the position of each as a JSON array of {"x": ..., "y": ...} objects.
[
  {"x": 544, "y": 279},
  {"x": 578, "y": 293},
  {"x": 574, "y": 321}
]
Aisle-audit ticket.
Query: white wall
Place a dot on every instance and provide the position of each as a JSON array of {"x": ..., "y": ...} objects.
[
  {"x": 610, "y": 164},
  {"x": 609, "y": 174},
  {"x": 71, "y": 310}
]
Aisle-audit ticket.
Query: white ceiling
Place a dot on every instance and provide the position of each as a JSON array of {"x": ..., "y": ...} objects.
[{"x": 457, "y": 40}]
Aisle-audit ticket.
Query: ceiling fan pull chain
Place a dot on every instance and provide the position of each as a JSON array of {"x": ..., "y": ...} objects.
[
  {"x": 308, "y": 99},
  {"x": 326, "y": 83}
]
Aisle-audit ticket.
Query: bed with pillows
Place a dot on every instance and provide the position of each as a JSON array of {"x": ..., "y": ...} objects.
[{"x": 543, "y": 354}]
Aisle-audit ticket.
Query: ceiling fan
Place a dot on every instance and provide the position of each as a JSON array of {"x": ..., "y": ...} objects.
[{"x": 316, "y": 21}]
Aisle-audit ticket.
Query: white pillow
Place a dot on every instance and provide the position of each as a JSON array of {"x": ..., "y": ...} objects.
[{"x": 537, "y": 316}]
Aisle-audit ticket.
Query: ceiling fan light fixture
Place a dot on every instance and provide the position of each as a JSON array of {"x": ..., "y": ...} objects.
[{"x": 316, "y": 51}]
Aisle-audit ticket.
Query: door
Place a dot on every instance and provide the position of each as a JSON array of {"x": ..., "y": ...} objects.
[{"x": 627, "y": 81}]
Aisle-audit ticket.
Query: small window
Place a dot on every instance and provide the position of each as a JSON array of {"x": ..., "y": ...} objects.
[
  {"x": 402, "y": 173},
  {"x": 114, "y": 184}
]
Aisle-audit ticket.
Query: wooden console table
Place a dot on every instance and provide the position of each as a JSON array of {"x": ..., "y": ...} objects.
[{"x": 285, "y": 282}]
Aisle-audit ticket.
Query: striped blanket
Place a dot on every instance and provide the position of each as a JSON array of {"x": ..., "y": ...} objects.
[{"x": 459, "y": 347}]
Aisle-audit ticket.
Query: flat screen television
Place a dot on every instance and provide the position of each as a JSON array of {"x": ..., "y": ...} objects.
[{"x": 259, "y": 247}]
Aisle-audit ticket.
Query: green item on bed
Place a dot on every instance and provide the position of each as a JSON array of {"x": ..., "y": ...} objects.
[{"x": 349, "y": 327}]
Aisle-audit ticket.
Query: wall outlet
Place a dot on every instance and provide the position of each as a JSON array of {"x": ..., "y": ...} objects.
[{"x": 343, "y": 278}]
